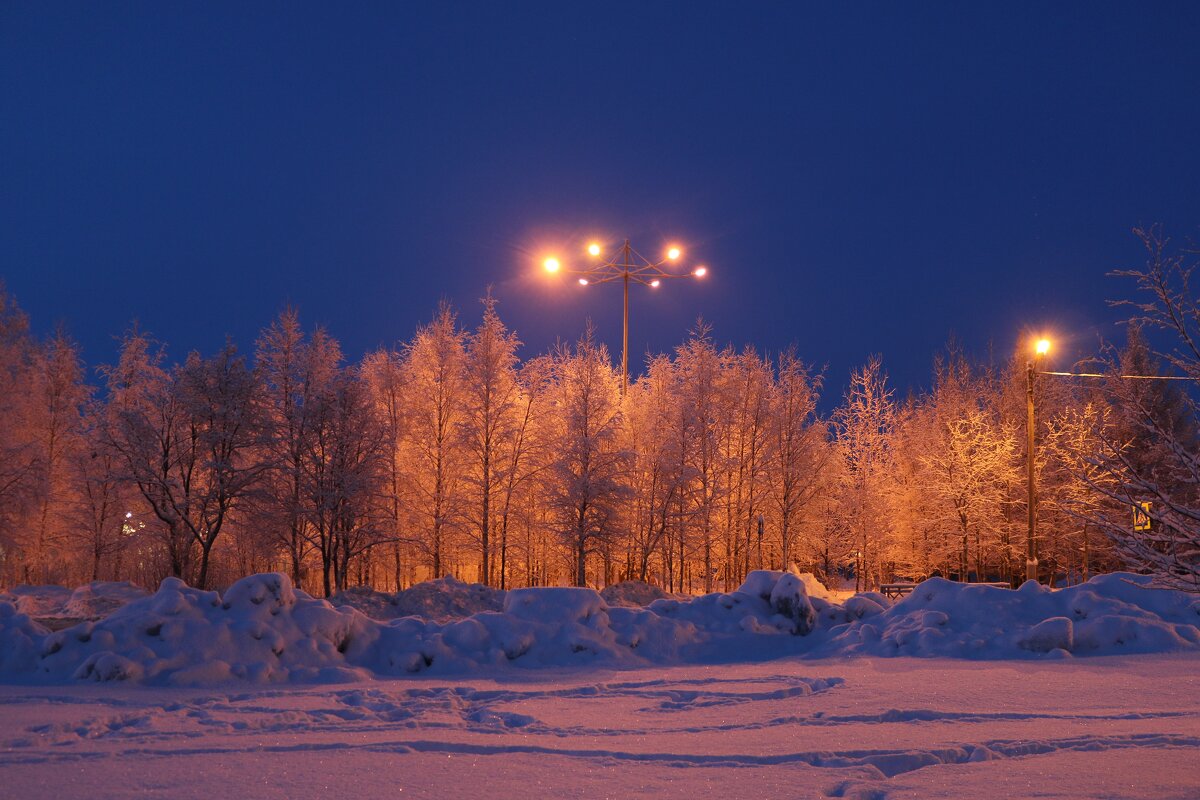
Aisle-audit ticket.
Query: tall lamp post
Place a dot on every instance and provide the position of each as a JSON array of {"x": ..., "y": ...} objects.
[
  {"x": 628, "y": 265},
  {"x": 1041, "y": 347}
]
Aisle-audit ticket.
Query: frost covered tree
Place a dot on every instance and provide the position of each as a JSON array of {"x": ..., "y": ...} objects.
[
  {"x": 524, "y": 453},
  {"x": 186, "y": 438},
  {"x": 17, "y": 450},
  {"x": 799, "y": 448},
  {"x": 383, "y": 373},
  {"x": 656, "y": 474},
  {"x": 490, "y": 418},
  {"x": 744, "y": 435},
  {"x": 345, "y": 476},
  {"x": 1155, "y": 455},
  {"x": 434, "y": 379},
  {"x": 969, "y": 458},
  {"x": 295, "y": 371},
  {"x": 702, "y": 417},
  {"x": 57, "y": 398},
  {"x": 863, "y": 428},
  {"x": 100, "y": 500},
  {"x": 589, "y": 468}
]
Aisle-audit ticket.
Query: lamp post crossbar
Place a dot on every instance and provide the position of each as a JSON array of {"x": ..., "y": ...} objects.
[{"x": 629, "y": 266}]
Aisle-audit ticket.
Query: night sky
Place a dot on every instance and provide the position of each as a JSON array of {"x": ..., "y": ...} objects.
[{"x": 858, "y": 177}]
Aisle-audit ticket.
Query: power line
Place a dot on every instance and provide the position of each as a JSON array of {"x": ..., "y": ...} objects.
[{"x": 1126, "y": 377}]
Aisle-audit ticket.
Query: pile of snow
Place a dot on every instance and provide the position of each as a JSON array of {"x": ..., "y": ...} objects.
[
  {"x": 1116, "y": 613},
  {"x": 37, "y": 601},
  {"x": 101, "y": 598},
  {"x": 263, "y": 630},
  {"x": 441, "y": 600},
  {"x": 632, "y": 593},
  {"x": 94, "y": 600}
]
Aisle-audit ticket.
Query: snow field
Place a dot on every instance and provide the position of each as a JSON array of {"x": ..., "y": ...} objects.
[{"x": 884, "y": 729}]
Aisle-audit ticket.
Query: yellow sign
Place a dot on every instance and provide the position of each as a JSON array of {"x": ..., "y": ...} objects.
[{"x": 1141, "y": 517}]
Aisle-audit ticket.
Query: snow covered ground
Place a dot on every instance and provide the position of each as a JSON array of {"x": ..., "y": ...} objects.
[
  {"x": 779, "y": 687},
  {"x": 1112, "y": 727}
]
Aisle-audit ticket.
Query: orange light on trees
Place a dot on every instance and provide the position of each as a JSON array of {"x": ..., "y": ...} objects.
[
  {"x": 674, "y": 253},
  {"x": 593, "y": 249},
  {"x": 1042, "y": 347},
  {"x": 551, "y": 264}
]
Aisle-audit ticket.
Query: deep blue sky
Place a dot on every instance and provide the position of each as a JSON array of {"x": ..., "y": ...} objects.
[{"x": 859, "y": 177}]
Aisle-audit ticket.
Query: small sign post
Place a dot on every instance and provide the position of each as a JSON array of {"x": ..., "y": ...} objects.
[{"x": 1141, "y": 517}]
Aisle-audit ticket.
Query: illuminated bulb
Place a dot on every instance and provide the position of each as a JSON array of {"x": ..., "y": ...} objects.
[
  {"x": 128, "y": 514},
  {"x": 594, "y": 249},
  {"x": 654, "y": 284},
  {"x": 551, "y": 264},
  {"x": 673, "y": 253},
  {"x": 700, "y": 272},
  {"x": 583, "y": 281},
  {"x": 1042, "y": 347}
]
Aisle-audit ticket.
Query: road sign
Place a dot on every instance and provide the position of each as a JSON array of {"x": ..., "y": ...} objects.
[{"x": 1141, "y": 517}]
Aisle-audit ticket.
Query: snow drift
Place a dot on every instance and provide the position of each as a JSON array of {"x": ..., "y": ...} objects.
[
  {"x": 441, "y": 600},
  {"x": 263, "y": 630},
  {"x": 95, "y": 599}
]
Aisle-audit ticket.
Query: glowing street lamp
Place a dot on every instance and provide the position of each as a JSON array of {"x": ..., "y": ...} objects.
[
  {"x": 628, "y": 266},
  {"x": 1040, "y": 349}
]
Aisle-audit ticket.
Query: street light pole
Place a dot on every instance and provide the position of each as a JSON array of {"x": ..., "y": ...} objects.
[
  {"x": 1031, "y": 560},
  {"x": 629, "y": 266},
  {"x": 625, "y": 327}
]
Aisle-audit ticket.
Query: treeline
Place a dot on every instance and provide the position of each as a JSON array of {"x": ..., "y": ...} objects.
[{"x": 449, "y": 454}]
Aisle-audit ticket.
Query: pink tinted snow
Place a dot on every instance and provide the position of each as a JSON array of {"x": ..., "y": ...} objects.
[{"x": 263, "y": 630}]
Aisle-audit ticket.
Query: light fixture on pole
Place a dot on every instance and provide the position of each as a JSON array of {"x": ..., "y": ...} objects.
[
  {"x": 1041, "y": 348},
  {"x": 628, "y": 265}
]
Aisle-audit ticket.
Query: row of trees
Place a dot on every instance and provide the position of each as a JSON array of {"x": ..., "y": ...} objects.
[{"x": 450, "y": 455}]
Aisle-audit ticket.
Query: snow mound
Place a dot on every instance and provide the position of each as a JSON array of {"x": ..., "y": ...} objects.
[
  {"x": 263, "y": 630},
  {"x": 632, "y": 594},
  {"x": 37, "y": 601},
  {"x": 1116, "y": 613},
  {"x": 101, "y": 598},
  {"x": 441, "y": 600},
  {"x": 94, "y": 600},
  {"x": 814, "y": 587},
  {"x": 789, "y": 599},
  {"x": 20, "y": 640}
]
